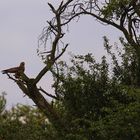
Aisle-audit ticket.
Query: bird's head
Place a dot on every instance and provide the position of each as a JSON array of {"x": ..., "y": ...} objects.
[{"x": 22, "y": 64}]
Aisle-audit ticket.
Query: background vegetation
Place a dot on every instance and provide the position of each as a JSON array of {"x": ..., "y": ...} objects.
[{"x": 92, "y": 100}]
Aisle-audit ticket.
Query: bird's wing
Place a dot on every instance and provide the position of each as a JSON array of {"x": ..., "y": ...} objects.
[{"x": 11, "y": 70}]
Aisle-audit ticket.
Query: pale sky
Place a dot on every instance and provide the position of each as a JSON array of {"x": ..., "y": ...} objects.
[{"x": 21, "y": 24}]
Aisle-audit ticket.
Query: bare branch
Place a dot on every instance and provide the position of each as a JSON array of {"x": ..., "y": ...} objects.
[
  {"x": 50, "y": 95},
  {"x": 63, "y": 50},
  {"x": 52, "y": 8},
  {"x": 55, "y": 27},
  {"x": 10, "y": 77},
  {"x": 43, "y": 72}
]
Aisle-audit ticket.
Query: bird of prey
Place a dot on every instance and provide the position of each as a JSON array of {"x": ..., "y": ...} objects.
[{"x": 17, "y": 70}]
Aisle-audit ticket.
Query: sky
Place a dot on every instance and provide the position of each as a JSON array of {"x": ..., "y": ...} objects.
[{"x": 21, "y": 24}]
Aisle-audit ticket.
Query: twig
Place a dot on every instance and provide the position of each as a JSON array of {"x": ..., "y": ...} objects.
[
  {"x": 50, "y": 95},
  {"x": 10, "y": 77}
]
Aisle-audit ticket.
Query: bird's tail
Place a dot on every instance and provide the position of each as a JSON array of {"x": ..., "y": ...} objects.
[{"x": 4, "y": 71}]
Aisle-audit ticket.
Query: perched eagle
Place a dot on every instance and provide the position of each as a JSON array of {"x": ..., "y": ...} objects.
[{"x": 17, "y": 70}]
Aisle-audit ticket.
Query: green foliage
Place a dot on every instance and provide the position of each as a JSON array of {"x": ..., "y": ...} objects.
[
  {"x": 2, "y": 102},
  {"x": 127, "y": 71},
  {"x": 115, "y": 8},
  {"x": 96, "y": 105},
  {"x": 122, "y": 125},
  {"x": 93, "y": 101},
  {"x": 24, "y": 122}
]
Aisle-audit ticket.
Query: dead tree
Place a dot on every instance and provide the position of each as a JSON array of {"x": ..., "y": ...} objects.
[{"x": 29, "y": 86}]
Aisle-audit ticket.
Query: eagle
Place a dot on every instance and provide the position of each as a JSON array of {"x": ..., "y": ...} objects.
[{"x": 17, "y": 70}]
